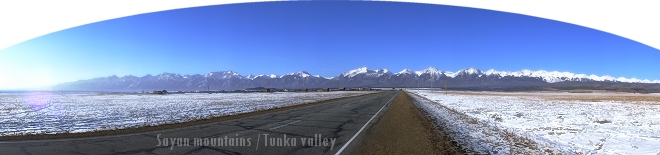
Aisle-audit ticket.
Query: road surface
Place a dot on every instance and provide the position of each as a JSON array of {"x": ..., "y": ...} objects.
[{"x": 316, "y": 129}]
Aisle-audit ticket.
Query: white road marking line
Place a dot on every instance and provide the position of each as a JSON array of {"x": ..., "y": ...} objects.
[
  {"x": 273, "y": 128},
  {"x": 365, "y": 125}
]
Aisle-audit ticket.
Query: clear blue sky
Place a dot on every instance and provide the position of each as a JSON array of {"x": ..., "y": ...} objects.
[{"x": 324, "y": 38}]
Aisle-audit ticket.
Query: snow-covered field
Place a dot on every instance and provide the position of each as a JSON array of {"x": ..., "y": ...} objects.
[
  {"x": 539, "y": 123},
  {"x": 47, "y": 113}
]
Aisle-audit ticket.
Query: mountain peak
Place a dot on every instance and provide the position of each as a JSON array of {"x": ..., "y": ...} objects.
[
  {"x": 300, "y": 73},
  {"x": 496, "y": 72},
  {"x": 405, "y": 71},
  {"x": 266, "y": 76},
  {"x": 358, "y": 70},
  {"x": 382, "y": 71},
  {"x": 303, "y": 74},
  {"x": 430, "y": 70},
  {"x": 470, "y": 70},
  {"x": 366, "y": 71},
  {"x": 223, "y": 74}
]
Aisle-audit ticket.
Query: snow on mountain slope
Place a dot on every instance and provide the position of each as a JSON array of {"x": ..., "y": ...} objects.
[
  {"x": 431, "y": 71},
  {"x": 354, "y": 72},
  {"x": 356, "y": 75},
  {"x": 405, "y": 71},
  {"x": 449, "y": 74},
  {"x": 547, "y": 76},
  {"x": 469, "y": 71},
  {"x": 301, "y": 74},
  {"x": 224, "y": 75},
  {"x": 252, "y": 77},
  {"x": 556, "y": 76},
  {"x": 366, "y": 71}
]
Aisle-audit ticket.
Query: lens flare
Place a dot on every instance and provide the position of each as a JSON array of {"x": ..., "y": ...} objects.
[{"x": 38, "y": 100}]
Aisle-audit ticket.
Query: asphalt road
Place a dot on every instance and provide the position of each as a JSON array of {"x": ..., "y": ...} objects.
[{"x": 316, "y": 129}]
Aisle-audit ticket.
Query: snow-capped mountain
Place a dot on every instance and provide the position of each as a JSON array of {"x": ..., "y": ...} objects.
[
  {"x": 469, "y": 71},
  {"x": 431, "y": 76},
  {"x": 556, "y": 76},
  {"x": 365, "y": 71},
  {"x": 405, "y": 71},
  {"x": 432, "y": 71},
  {"x": 222, "y": 75},
  {"x": 301, "y": 74}
]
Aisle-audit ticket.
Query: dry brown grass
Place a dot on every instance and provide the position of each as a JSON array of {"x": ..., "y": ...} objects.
[
  {"x": 603, "y": 121},
  {"x": 8, "y": 108},
  {"x": 404, "y": 129},
  {"x": 580, "y": 91}
]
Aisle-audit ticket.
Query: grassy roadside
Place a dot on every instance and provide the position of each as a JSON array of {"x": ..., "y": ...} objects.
[
  {"x": 163, "y": 126},
  {"x": 404, "y": 129}
]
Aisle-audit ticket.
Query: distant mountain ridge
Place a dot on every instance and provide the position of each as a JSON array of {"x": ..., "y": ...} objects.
[{"x": 360, "y": 77}]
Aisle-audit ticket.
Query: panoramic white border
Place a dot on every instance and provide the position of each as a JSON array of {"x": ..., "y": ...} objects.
[{"x": 26, "y": 19}]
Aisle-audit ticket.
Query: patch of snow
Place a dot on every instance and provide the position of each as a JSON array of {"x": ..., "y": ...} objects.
[
  {"x": 367, "y": 72},
  {"x": 449, "y": 74},
  {"x": 434, "y": 72},
  {"x": 354, "y": 72},
  {"x": 470, "y": 70},
  {"x": 405, "y": 71},
  {"x": 303, "y": 74},
  {"x": 486, "y": 123},
  {"x": 556, "y": 76},
  {"x": 35, "y": 113}
]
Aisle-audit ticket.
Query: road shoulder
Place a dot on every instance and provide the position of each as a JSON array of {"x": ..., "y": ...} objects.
[{"x": 404, "y": 129}]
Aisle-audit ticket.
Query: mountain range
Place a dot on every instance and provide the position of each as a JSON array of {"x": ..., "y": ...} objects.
[{"x": 468, "y": 78}]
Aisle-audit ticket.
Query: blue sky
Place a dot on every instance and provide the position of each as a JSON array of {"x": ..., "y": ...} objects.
[{"x": 324, "y": 38}]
